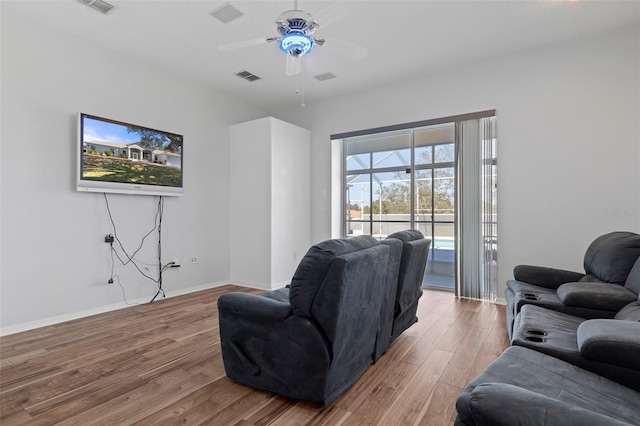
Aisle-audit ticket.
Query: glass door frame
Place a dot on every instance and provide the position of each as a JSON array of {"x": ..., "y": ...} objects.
[{"x": 412, "y": 169}]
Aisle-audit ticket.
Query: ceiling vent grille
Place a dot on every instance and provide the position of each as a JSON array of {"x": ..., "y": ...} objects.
[
  {"x": 325, "y": 76},
  {"x": 99, "y": 5},
  {"x": 246, "y": 75},
  {"x": 226, "y": 13}
]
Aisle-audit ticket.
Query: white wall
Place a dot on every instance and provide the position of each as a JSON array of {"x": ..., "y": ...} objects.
[
  {"x": 568, "y": 141},
  {"x": 55, "y": 263}
]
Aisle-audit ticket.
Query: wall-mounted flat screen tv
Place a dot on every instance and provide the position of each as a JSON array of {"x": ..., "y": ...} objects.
[{"x": 126, "y": 158}]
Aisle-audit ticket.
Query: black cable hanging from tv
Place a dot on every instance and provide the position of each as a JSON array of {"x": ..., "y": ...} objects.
[
  {"x": 130, "y": 257},
  {"x": 160, "y": 268}
]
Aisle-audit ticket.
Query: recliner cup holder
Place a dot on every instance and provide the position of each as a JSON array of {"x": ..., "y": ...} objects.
[
  {"x": 534, "y": 339},
  {"x": 536, "y": 332}
]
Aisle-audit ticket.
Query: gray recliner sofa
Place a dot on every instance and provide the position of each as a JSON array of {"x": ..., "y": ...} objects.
[
  {"x": 598, "y": 293},
  {"x": 565, "y": 369},
  {"x": 316, "y": 344}
]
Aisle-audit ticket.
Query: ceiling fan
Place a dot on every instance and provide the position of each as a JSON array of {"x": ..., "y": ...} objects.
[{"x": 296, "y": 35}]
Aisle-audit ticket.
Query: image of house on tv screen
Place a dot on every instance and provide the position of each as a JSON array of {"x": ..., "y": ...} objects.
[{"x": 121, "y": 152}]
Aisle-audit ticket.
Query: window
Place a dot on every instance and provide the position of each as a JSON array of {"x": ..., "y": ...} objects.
[
  {"x": 438, "y": 176},
  {"x": 405, "y": 179}
]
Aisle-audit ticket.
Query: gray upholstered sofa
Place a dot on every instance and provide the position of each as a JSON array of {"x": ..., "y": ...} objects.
[
  {"x": 313, "y": 340},
  {"x": 598, "y": 293},
  {"x": 564, "y": 369}
]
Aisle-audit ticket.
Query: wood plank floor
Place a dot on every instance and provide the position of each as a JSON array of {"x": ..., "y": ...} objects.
[{"x": 161, "y": 364}]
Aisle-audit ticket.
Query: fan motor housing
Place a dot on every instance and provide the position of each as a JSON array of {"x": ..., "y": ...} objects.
[{"x": 296, "y": 28}]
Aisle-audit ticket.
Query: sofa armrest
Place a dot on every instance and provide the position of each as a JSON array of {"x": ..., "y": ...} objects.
[
  {"x": 501, "y": 404},
  {"x": 610, "y": 341},
  {"x": 602, "y": 296},
  {"x": 268, "y": 347},
  {"x": 545, "y": 277},
  {"x": 251, "y": 307}
]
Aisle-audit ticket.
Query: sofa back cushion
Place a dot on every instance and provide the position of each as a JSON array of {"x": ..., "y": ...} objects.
[
  {"x": 313, "y": 268},
  {"x": 385, "y": 329},
  {"x": 633, "y": 280},
  {"x": 349, "y": 299},
  {"x": 610, "y": 257},
  {"x": 415, "y": 250},
  {"x": 630, "y": 312},
  {"x": 407, "y": 235}
]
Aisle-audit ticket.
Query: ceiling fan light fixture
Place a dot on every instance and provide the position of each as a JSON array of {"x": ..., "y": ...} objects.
[{"x": 296, "y": 44}]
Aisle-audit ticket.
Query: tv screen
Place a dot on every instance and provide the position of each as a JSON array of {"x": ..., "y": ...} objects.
[{"x": 127, "y": 158}]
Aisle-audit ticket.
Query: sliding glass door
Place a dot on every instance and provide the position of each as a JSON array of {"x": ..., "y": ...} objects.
[
  {"x": 405, "y": 179},
  {"x": 438, "y": 176},
  {"x": 435, "y": 203}
]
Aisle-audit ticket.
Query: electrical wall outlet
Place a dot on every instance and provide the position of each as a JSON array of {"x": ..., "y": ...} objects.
[
  {"x": 194, "y": 259},
  {"x": 176, "y": 261}
]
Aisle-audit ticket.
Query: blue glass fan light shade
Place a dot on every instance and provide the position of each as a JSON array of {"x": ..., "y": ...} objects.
[{"x": 296, "y": 44}]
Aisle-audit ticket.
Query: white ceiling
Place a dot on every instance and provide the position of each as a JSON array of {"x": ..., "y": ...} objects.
[{"x": 405, "y": 39}]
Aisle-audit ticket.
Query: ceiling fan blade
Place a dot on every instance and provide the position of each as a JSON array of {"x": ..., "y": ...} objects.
[
  {"x": 272, "y": 10},
  {"x": 335, "y": 12},
  {"x": 345, "y": 49},
  {"x": 243, "y": 44},
  {"x": 294, "y": 65}
]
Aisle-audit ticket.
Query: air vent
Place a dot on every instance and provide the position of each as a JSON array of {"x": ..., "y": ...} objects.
[
  {"x": 247, "y": 76},
  {"x": 325, "y": 76},
  {"x": 99, "y": 5},
  {"x": 226, "y": 13}
]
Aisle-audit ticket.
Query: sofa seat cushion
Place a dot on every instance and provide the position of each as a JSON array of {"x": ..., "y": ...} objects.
[
  {"x": 281, "y": 295},
  {"x": 555, "y": 379},
  {"x": 537, "y": 327},
  {"x": 602, "y": 296}
]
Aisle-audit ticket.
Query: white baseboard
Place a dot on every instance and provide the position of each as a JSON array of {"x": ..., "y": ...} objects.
[
  {"x": 251, "y": 285},
  {"x": 4, "y": 331},
  {"x": 280, "y": 285},
  {"x": 264, "y": 287},
  {"x": 501, "y": 301}
]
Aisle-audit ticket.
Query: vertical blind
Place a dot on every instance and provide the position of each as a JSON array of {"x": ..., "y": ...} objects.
[{"x": 477, "y": 219}]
